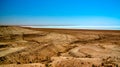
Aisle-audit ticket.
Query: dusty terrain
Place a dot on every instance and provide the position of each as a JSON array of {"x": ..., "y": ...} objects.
[{"x": 37, "y": 47}]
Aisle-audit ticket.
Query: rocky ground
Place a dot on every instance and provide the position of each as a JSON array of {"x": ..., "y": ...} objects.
[{"x": 35, "y": 47}]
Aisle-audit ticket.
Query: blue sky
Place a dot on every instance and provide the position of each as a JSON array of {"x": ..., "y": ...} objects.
[{"x": 60, "y": 12}]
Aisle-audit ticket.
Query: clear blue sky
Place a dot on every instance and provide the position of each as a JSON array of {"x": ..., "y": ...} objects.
[{"x": 60, "y": 12}]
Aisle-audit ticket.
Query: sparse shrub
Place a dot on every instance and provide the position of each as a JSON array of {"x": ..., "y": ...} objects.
[
  {"x": 116, "y": 65},
  {"x": 88, "y": 56},
  {"x": 102, "y": 64},
  {"x": 59, "y": 53},
  {"x": 46, "y": 65},
  {"x": 2, "y": 59},
  {"x": 18, "y": 62},
  {"x": 82, "y": 63},
  {"x": 93, "y": 65}
]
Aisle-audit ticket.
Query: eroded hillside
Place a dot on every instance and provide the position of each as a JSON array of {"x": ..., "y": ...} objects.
[{"x": 26, "y": 47}]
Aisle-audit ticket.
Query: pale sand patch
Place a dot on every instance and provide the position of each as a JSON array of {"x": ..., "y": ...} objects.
[
  {"x": 24, "y": 65},
  {"x": 10, "y": 50}
]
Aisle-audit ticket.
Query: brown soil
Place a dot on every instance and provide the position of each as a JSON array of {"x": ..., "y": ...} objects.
[{"x": 38, "y": 47}]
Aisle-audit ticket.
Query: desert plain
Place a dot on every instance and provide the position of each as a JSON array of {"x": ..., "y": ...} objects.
[{"x": 47, "y": 47}]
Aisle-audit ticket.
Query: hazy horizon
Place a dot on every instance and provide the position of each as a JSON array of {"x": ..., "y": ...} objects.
[{"x": 78, "y": 27}]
